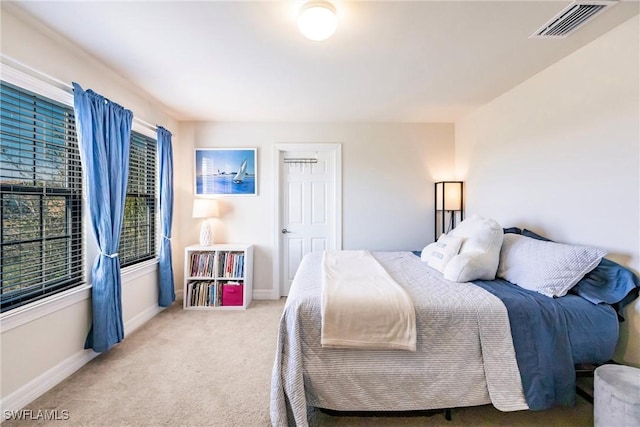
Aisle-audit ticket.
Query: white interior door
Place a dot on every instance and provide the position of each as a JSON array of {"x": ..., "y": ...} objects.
[{"x": 309, "y": 210}]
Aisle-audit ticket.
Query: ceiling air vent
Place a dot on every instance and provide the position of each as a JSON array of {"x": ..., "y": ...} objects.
[{"x": 570, "y": 18}]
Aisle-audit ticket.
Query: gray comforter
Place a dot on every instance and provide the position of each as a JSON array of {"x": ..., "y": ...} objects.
[{"x": 464, "y": 356}]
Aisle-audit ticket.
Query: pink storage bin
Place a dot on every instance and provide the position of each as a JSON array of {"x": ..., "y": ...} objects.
[{"x": 232, "y": 294}]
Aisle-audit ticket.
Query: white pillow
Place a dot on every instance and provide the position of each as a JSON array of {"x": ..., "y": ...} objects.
[
  {"x": 438, "y": 254},
  {"x": 480, "y": 251},
  {"x": 545, "y": 267}
]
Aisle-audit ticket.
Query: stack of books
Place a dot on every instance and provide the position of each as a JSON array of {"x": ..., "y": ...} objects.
[
  {"x": 201, "y": 264},
  {"x": 204, "y": 294},
  {"x": 231, "y": 264}
]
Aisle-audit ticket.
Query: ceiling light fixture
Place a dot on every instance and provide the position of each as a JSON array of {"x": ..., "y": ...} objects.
[{"x": 317, "y": 20}]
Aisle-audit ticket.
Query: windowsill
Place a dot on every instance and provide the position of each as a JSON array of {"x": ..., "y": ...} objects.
[{"x": 30, "y": 312}]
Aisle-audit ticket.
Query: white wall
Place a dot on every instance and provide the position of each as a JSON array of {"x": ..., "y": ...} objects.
[
  {"x": 559, "y": 154},
  {"x": 37, "y": 353},
  {"x": 388, "y": 172}
]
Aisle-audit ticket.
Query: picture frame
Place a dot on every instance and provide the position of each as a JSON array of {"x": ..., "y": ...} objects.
[{"x": 226, "y": 172}]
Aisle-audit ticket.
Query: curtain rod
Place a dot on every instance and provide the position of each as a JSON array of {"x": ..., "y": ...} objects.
[{"x": 59, "y": 84}]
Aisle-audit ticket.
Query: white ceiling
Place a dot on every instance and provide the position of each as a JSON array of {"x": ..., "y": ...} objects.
[{"x": 389, "y": 61}]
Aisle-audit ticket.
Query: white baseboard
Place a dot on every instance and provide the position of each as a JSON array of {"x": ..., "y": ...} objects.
[
  {"x": 264, "y": 294},
  {"x": 45, "y": 382},
  {"x": 139, "y": 320},
  {"x": 54, "y": 376}
]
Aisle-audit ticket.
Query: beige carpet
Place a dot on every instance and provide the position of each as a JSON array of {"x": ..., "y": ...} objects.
[{"x": 213, "y": 368}]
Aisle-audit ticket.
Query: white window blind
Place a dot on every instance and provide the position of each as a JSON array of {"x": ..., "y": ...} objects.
[
  {"x": 41, "y": 251},
  {"x": 138, "y": 237}
]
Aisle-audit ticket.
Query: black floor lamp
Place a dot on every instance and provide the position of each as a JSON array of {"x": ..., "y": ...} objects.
[{"x": 449, "y": 206}]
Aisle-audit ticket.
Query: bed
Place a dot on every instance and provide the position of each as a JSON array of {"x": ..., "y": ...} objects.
[{"x": 488, "y": 342}]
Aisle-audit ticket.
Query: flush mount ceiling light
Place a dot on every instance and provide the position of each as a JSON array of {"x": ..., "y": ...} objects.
[{"x": 317, "y": 20}]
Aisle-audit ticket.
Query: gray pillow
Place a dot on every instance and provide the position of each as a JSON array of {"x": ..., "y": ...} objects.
[{"x": 545, "y": 267}]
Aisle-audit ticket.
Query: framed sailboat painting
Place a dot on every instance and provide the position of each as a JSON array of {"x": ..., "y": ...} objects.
[{"x": 226, "y": 172}]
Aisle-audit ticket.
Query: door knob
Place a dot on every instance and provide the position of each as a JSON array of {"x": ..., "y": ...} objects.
[{"x": 285, "y": 231}]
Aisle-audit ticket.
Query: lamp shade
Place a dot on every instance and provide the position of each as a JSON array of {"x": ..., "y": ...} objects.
[
  {"x": 449, "y": 195},
  {"x": 317, "y": 20},
  {"x": 452, "y": 198},
  {"x": 449, "y": 204},
  {"x": 205, "y": 208}
]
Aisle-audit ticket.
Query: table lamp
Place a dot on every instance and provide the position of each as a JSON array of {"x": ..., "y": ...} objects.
[{"x": 205, "y": 208}]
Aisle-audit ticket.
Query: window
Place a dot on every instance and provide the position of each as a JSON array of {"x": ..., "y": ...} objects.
[
  {"x": 40, "y": 198},
  {"x": 138, "y": 238}
]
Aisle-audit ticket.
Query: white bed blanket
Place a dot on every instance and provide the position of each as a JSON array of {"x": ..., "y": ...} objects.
[
  {"x": 464, "y": 352},
  {"x": 362, "y": 306}
]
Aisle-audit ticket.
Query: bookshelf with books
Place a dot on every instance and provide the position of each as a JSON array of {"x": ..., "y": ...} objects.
[{"x": 218, "y": 277}]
